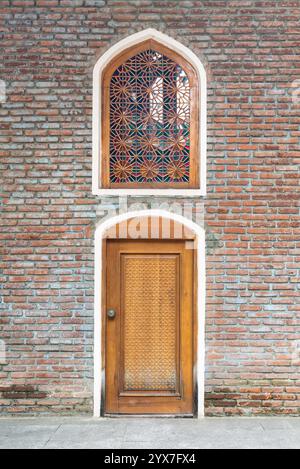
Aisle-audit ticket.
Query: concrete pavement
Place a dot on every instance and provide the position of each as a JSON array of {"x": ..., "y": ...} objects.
[{"x": 152, "y": 433}]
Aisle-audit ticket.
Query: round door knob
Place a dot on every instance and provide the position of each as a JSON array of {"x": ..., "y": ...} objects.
[{"x": 111, "y": 313}]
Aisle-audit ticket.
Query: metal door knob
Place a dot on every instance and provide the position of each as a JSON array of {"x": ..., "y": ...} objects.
[{"x": 111, "y": 313}]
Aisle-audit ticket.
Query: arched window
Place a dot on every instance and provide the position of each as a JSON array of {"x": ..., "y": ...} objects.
[{"x": 150, "y": 120}]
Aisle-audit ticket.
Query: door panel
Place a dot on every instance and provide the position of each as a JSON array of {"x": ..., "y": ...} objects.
[
  {"x": 149, "y": 324},
  {"x": 149, "y": 342}
]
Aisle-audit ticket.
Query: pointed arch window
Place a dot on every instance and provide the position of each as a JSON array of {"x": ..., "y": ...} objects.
[{"x": 150, "y": 120}]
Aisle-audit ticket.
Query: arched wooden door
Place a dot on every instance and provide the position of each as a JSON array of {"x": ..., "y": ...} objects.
[{"x": 149, "y": 321}]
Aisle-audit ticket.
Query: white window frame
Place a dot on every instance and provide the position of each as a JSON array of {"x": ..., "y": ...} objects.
[{"x": 101, "y": 63}]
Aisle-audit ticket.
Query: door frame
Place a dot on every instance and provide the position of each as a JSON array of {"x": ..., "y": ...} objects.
[{"x": 99, "y": 371}]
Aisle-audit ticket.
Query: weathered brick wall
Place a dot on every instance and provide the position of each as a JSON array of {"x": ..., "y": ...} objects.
[{"x": 251, "y": 52}]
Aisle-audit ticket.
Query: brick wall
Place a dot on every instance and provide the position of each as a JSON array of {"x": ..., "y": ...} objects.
[{"x": 251, "y": 52}]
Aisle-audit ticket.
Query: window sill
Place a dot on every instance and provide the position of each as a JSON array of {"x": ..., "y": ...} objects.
[{"x": 155, "y": 192}]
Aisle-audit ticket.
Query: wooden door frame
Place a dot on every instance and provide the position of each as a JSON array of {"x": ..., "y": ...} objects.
[{"x": 99, "y": 304}]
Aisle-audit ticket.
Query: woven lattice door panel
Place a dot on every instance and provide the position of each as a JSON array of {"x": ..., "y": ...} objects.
[{"x": 150, "y": 321}]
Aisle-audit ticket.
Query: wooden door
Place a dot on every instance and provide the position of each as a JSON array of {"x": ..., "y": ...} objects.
[{"x": 149, "y": 327}]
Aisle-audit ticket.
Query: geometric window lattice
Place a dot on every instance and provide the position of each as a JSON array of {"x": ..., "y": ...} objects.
[{"x": 149, "y": 138}]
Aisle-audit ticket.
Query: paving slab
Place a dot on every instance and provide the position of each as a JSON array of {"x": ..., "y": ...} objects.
[{"x": 149, "y": 433}]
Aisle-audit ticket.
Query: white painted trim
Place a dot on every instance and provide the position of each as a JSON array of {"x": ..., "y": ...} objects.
[
  {"x": 200, "y": 234},
  {"x": 102, "y": 62}
]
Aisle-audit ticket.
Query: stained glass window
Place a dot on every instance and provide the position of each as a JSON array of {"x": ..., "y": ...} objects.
[{"x": 149, "y": 142}]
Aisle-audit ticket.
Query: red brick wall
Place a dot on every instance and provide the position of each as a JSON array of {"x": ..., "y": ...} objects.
[{"x": 251, "y": 52}]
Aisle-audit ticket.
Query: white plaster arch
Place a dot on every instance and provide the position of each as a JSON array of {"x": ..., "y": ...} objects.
[
  {"x": 200, "y": 236},
  {"x": 101, "y": 63}
]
